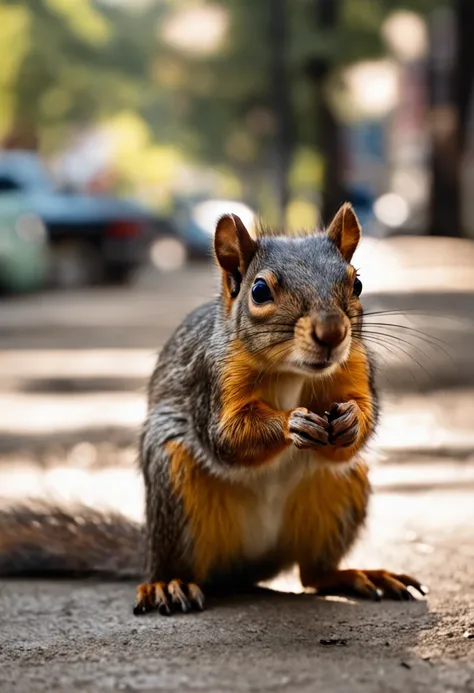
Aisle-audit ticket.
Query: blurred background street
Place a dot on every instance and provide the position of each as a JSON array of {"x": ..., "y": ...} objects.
[
  {"x": 127, "y": 127},
  {"x": 74, "y": 366}
]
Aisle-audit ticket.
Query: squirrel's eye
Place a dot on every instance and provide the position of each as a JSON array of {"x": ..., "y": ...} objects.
[
  {"x": 261, "y": 292},
  {"x": 357, "y": 287}
]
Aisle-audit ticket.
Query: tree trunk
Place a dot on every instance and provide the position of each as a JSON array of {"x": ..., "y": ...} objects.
[
  {"x": 330, "y": 143},
  {"x": 451, "y": 81},
  {"x": 282, "y": 104},
  {"x": 331, "y": 148}
]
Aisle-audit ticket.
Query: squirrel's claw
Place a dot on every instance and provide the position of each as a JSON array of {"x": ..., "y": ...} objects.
[
  {"x": 196, "y": 596},
  {"x": 306, "y": 429},
  {"x": 168, "y": 597},
  {"x": 343, "y": 424},
  {"x": 395, "y": 586},
  {"x": 371, "y": 584},
  {"x": 409, "y": 581},
  {"x": 178, "y": 597},
  {"x": 151, "y": 597}
]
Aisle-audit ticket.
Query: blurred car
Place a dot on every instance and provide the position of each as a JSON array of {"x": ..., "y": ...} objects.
[
  {"x": 196, "y": 218},
  {"x": 93, "y": 239},
  {"x": 24, "y": 258},
  {"x": 168, "y": 250}
]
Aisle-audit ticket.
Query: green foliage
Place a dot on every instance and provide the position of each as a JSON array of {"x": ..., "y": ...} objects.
[{"x": 70, "y": 63}]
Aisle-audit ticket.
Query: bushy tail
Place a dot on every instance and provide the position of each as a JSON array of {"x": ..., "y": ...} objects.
[{"x": 44, "y": 541}]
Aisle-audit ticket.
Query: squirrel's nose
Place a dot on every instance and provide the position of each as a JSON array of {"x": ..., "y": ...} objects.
[{"x": 329, "y": 329}]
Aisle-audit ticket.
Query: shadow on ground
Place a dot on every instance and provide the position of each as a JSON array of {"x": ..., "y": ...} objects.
[{"x": 83, "y": 636}]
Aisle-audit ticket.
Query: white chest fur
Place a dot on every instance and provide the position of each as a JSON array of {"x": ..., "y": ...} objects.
[
  {"x": 262, "y": 519},
  {"x": 286, "y": 389}
]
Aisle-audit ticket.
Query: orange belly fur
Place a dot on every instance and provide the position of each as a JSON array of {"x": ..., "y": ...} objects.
[{"x": 220, "y": 513}]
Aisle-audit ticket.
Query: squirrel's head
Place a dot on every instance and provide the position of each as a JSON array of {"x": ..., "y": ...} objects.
[{"x": 290, "y": 300}]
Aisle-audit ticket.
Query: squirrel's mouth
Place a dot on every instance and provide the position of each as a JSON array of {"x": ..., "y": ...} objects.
[
  {"x": 318, "y": 360},
  {"x": 317, "y": 365}
]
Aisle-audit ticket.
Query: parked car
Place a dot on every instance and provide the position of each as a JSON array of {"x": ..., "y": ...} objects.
[
  {"x": 196, "y": 218},
  {"x": 93, "y": 238},
  {"x": 24, "y": 257},
  {"x": 168, "y": 250}
]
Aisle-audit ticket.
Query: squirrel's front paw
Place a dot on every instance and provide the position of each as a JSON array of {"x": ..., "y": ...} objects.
[
  {"x": 344, "y": 424},
  {"x": 307, "y": 430}
]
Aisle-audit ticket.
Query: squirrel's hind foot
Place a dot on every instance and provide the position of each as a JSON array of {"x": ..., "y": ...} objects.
[
  {"x": 370, "y": 584},
  {"x": 168, "y": 598}
]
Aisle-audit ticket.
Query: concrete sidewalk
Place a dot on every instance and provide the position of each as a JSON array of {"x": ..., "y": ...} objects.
[{"x": 81, "y": 636}]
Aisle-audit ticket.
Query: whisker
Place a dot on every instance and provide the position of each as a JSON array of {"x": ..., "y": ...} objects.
[
  {"x": 366, "y": 351},
  {"x": 407, "y": 328},
  {"x": 433, "y": 344},
  {"x": 271, "y": 331},
  {"x": 266, "y": 347},
  {"x": 275, "y": 359},
  {"x": 356, "y": 347},
  {"x": 256, "y": 334},
  {"x": 376, "y": 356},
  {"x": 393, "y": 345},
  {"x": 267, "y": 329},
  {"x": 413, "y": 311},
  {"x": 396, "y": 339},
  {"x": 391, "y": 351}
]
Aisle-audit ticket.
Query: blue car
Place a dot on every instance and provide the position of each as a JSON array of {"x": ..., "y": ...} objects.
[
  {"x": 92, "y": 238},
  {"x": 24, "y": 257}
]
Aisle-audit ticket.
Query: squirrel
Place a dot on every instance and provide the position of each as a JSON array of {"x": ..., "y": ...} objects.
[{"x": 259, "y": 410}]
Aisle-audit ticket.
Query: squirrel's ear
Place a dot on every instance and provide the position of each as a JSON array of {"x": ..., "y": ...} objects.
[
  {"x": 345, "y": 231},
  {"x": 234, "y": 250}
]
